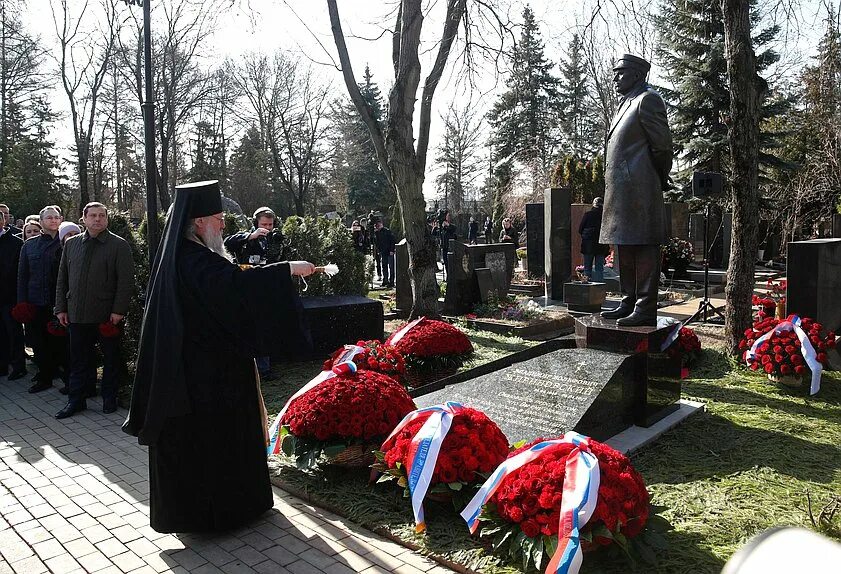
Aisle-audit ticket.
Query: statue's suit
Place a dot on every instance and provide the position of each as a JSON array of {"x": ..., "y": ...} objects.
[{"x": 639, "y": 158}]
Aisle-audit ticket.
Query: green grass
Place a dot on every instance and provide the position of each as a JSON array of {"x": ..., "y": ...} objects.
[{"x": 750, "y": 462}]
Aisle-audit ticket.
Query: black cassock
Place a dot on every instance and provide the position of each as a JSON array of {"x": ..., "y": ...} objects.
[{"x": 207, "y": 468}]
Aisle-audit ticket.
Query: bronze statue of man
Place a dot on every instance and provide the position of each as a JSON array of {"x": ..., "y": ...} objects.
[{"x": 639, "y": 158}]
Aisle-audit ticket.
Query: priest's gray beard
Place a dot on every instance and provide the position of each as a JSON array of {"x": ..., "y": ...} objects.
[{"x": 209, "y": 239}]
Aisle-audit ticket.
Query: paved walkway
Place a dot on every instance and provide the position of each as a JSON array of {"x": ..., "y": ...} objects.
[{"x": 74, "y": 498}]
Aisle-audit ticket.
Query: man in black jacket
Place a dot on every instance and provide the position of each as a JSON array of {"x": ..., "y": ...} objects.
[
  {"x": 11, "y": 333},
  {"x": 385, "y": 246},
  {"x": 262, "y": 244},
  {"x": 593, "y": 251}
]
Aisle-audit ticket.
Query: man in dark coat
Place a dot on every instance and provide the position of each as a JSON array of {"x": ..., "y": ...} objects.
[
  {"x": 593, "y": 251},
  {"x": 386, "y": 245},
  {"x": 196, "y": 400},
  {"x": 472, "y": 231},
  {"x": 509, "y": 233},
  {"x": 12, "y": 351},
  {"x": 639, "y": 158}
]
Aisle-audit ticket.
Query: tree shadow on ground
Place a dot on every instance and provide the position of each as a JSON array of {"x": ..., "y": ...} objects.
[{"x": 710, "y": 446}]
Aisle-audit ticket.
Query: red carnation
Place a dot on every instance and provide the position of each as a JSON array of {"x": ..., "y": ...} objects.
[{"x": 431, "y": 338}]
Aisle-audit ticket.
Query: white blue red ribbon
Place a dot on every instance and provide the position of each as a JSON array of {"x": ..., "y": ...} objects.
[
  {"x": 400, "y": 333},
  {"x": 580, "y": 494},
  {"x": 792, "y": 323},
  {"x": 672, "y": 337},
  {"x": 424, "y": 450},
  {"x": 343, "y": 364}
]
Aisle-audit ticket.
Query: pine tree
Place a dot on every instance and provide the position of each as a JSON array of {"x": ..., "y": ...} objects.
[
  {"x": 579, "y": 122},
  {"x": 523, "y": 117},
  {"x": 355, "y": 167},
  {"x": 692, "y": 52}
]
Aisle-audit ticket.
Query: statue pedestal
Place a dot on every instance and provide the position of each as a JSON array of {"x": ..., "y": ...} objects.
[
  {"x": 585, "y": 297},
  {"x": 656, "y": 376}
]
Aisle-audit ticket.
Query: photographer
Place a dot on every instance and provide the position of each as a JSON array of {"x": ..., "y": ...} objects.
[{"x": 262, "y": 244}]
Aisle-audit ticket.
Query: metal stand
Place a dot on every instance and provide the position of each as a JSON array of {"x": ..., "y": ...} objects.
[{"x": 705, "y": 308}]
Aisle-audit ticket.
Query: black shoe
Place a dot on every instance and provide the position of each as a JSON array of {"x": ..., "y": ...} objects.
[
  {"x": 41, "y": 386},
  {"x": 36, "y": 377},
  {"x": 636, "y": 319},
  {"x": 109, "y": 406},
  {"x": 64, "y": 390},
  {"x": 18, "y": 374},
  {"x": 617, "y": 313},
  {"x": 70, "y": 409}
]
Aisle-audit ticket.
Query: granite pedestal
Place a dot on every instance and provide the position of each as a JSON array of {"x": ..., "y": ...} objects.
[
  {"x": 814, "y": 281},
  {"x": 535, "y": 239},
  {"x": 585, "y": 297},
  {"x": 558, "y": 238},
  {"x": 657, "y": 377}
]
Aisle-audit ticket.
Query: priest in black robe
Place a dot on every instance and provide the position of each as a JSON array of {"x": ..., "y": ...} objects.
[{"x": 196, "y": 401}]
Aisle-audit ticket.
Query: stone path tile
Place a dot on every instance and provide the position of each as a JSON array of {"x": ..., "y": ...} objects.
[{"x": 74, "y": 497}]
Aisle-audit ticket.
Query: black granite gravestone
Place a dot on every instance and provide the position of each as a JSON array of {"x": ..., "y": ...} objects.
[
  {"x": 463, "y": 291},
  {"x": 677, "y": 220},
  {"x": 336, "y": 320},
  {"x": 586, "y": 390},
  {"x": 535, "y": 239},
  {"x": 403, "y": 286},
  {"x": 558, "y": 239},
  {"x": 836, "y": 225},
  {"x": 585, "y": 297},
  {"x": 814, "y": 280},
  {"x": 658, "y": 379}
]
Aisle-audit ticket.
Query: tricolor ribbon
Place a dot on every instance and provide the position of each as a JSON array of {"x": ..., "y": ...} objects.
[
  {"x": 343, "y": 364},
  {"x": 424, "y": 450},
  {"x": 792, "y": 323},
  {"x": 580, "y": 494},
  {"x": 672, "y": 337},
  {"x": 399, "y": 334}
]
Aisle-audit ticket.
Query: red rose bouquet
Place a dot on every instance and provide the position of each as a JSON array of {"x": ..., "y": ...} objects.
[
  {"x": 782, "y": 354},
  {"x": 428, "y": 344},
  {"x": 24, "y": 312},
  {"x": 376, "y": 356},
  {"x": 524, "y": 512},
  {"x": 108, "y": 329},
  {"x": 686, "y": 347},
  {"x": 437, "y": 451},
  {"x": 766, "y": 307},
  {"x": 349, "y": 409},
  {"x": 56, "y": 329}
]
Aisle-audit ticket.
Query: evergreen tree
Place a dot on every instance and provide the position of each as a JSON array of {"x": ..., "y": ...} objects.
[
  {"x": 208, "y": 154},
  {"x": 523, "y": 117},
  {"x": 579, "y": 121},
  {"x": 693, "y": 55},
  {"x": 355, "y": 166},
  {"x": 250, "y": 185}
]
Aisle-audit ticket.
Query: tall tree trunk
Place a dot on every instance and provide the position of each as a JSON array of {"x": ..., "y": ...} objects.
[
  {"x": 83, "y": 146},
  {"x": 744, "y": 150}
]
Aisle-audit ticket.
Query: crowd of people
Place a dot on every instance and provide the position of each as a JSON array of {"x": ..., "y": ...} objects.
[{"x": 65, "y": 289}]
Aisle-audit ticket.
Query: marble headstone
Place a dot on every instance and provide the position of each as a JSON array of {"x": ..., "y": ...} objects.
[
  {"x": 586, "y": 390},
  {"x": 535, "y": 239},
  {"x": 814, "y": 281},
  {"x": 558, "y": 241}
]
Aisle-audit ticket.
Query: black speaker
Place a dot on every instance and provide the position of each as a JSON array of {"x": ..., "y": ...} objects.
[{"x": 706, "y": 184}]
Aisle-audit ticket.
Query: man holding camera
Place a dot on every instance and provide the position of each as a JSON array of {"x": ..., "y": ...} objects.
[{"x": 261, "y": 245}]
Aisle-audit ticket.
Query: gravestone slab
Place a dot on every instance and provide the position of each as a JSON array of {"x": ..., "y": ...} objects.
[
  {"x": 814, "y": 281},
  {"x": 403, "y": 286},
  {"x": 487, "y": 288},
  {"x": 558, "y": 238},
  {"x": 577, "y": 211},
  {"x": 535, "y": 239},
  {"x": 335, "y": 320},
  {"x": 587, "y": 390},
  {"x": 659, "y": 378},
  {"x": 836, "y": 225},
  {"x": 463, "y": 291},
  {"x": 696, "y": 235},
  {"x": 677, "y": 220}
]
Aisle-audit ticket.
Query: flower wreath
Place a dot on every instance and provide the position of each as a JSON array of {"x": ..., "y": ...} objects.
[
  {"x": 428, "y": 344},
  {"x": 374, "y": 356}
]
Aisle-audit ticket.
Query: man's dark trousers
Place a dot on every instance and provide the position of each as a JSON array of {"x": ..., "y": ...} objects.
[
  {"x": 83, "y": 339},
  {"x": 12, "y": 352}
]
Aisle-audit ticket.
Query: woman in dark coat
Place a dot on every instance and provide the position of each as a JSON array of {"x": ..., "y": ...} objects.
[{"x": 593, "y": 251}]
